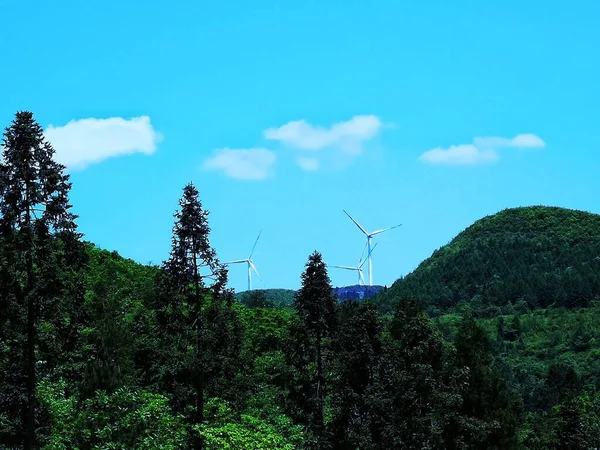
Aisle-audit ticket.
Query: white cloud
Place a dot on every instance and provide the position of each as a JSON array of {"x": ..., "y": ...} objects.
[
  {"x": 348, "y": 135},
  {"x": 483, "y": 150},
  {"x": 308, "y": 164},
  {"x": 519, "y": 141},
  {"x": 82, "y": 142},
  {"x": 459, "y": 155},
  {"x": 242, "y": 164}
]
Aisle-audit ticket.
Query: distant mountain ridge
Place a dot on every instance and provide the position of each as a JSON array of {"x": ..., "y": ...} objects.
[
  {"x": 534, "y": 256},
  {"x": 285, "y": 297},
  {"x": 356, "y": 292}
]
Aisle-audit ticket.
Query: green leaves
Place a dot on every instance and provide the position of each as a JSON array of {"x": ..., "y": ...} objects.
[
  {"x": 224, "y": 431},
  {"x": 126, "y": 420}
]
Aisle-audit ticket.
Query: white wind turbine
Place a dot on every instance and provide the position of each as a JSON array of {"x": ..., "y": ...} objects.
[
  {"x": 361, "y": 261},
  {"x": 248, "y": 261},
  {"x": 369, "y": 237}
]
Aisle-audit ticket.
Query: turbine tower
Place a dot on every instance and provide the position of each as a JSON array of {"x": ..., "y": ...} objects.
[
  {"x": 369, "y": 237},
  {"x": 248, "y": 261},
  {"x": 361, "y": 261}
]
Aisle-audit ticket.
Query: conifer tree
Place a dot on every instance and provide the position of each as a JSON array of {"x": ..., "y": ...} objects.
[
  {"x": 315, "y": 309},
  {"x": 357, "y": 351},
  {"x": 110, "y": 364},
  {"x": 562, "y": 384},
  {"x": 489, "y": 414},
  {"x": 34, "y": 211},
  {"x": 415, "y": 392},
  {"x": 186, "y": 291}
]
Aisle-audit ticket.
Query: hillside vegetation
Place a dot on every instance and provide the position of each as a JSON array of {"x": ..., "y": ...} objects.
[
  {"x": 98, "y": 352},
  {"x": 548, "y": 357},
  {"x": 278, "y": 298},
  {"x": 533, "y": 257}
]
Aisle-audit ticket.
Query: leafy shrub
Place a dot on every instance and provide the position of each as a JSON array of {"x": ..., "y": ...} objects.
[{"x": 126, "y": 420}]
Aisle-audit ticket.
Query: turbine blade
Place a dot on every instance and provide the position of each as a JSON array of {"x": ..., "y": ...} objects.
[
  {"x": 385, "y": 229},
  {"x": 357, "y": 224},
  {"x": 362, "y": 277},
  {"x": 236, "y": 261},
  {"x": 362, "y": 261},
  {"x": 253, "y": 267},
  {"x": 254, "y": 246},
  {"x": 362, "y": 254},
  {"x": 346, "y": 267}
]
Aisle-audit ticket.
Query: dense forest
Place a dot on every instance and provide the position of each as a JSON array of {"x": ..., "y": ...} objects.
[
  {"x": 99, "y": 352},
  {"x": 536, "y": 257}
]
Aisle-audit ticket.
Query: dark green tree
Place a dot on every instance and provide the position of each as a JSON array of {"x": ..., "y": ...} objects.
[
  {"x": 500, "y": 332},
  {"x": 562, "y": 383},
  {"x": 39, "y": 242},
  {"x": 357, "y": 352},
  {"x": 223, "y": 339},
  {"x": 256, "y": 299},
  {"x": 310, "y": 335},
  {"x": 416, "y": 396},
  {"x": 193, "y": 276},
  {"x": 570, "y": 434},
  {"x": 490, "y": 414},
  {"x": 110, "y": 359}
]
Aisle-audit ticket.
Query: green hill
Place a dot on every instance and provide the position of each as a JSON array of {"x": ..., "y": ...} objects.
[
  {"x": 549, "y": 358},
  {"x": 530, "y": 257},
  {"x": 270, "y": 297}
]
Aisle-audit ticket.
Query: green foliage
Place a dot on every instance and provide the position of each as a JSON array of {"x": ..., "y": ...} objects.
[
  {"x": 40, "y": 249},
  {"x": 126, "y": 420},
  {"x": 489, "y": 414},
  {"x": 358, "y": 352},
  {"x": 311, "y": 333},
  {"x": 417, "y": 386},
  {"x": 256, "y": 299},
  {"x": 279, "y": 298},
  {"x": 199, "y": 326},
  {"x": 248, "y": 431},
  {"x": 529, "y": 257}
]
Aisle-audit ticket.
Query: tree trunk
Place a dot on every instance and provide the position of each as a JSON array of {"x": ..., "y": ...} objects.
[
  {"x": 30, "y": 440},
  {"x": 199, "y": 444},
  {"x": 30, "y": 443},
  {"x": 320, "y": 412}
]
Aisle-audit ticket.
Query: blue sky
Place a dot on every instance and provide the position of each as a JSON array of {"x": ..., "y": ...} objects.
[{"x": 427, "y": 113}]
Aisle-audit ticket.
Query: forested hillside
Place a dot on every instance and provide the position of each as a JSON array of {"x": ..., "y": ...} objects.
[
  {"x": 546, "y": 357},
  {"x": 279, "y": 298},
  {"x": 98, "y": 352},
  {"x": 533, "y": 257}
]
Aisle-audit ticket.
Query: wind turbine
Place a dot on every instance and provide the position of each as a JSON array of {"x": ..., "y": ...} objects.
[
  {"x": 361, "y": 261},
  {"x": 248, "y": 261},
  {"x": 369, "y": 237}
]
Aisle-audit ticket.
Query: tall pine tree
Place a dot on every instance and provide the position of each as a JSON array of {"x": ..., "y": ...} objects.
[
  {"x": 193, "y": 277},
  {"x": 34, "y": 216},
  {"x": 315, "y": 309}
]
